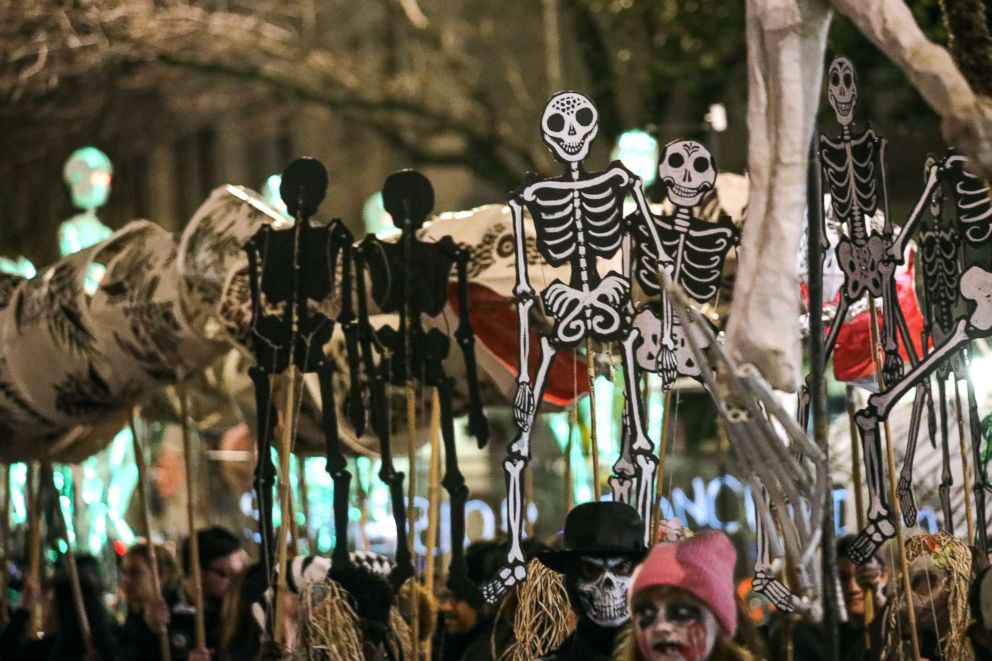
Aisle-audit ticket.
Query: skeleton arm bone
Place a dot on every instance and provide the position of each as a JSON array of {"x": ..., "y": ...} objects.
[
  {"x": 967, "y": 118},
  {"x": 897, "y": 250},
  {"x": 524, "y": 292}
]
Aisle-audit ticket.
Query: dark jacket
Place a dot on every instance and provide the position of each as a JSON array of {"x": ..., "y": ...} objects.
[{"x": 589, "y": 642}]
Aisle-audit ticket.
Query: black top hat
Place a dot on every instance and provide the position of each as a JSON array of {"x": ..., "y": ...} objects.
[{"x": 599, "y": 529}]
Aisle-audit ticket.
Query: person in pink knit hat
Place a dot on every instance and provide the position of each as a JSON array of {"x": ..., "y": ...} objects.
[{"x": 682, "y": 603}]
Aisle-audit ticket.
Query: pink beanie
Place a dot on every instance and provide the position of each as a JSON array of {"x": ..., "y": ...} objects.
[{"x": 702, "y": 565}]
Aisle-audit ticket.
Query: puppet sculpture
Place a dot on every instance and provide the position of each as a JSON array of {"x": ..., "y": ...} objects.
[
  {"x": 786, "y": 48},
  {"x": 602, "y": 545},
  {"x": 698, "y": 248},
  {"x": 295, "y": 275},
  {"x": 974, "y": 287},
  {"x": 579, "y": 221},
  {"x": 410, "y": 278}
]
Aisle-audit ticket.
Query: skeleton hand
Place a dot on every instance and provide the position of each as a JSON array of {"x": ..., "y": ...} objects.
[{"x": 523, "y": 405}]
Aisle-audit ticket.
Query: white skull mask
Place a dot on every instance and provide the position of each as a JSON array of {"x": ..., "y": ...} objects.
[
  {"x": 842, "y": 89},
  {"x": 568, "y": 126},
  {"x": 688, "y": 171},
  {"x": 602, "y": 586}
]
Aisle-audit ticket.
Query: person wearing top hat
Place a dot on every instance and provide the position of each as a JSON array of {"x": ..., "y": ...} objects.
[{"x": 603, "y": 543}]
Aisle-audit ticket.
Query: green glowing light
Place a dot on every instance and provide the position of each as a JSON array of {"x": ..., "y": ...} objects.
[
  {"x": 270, "y": 193},
  {"x": 374, "y": 214},
  {"x": 21, "y": 266},
  {"x": 88, "y": 173},
  {"x": 638, "y": 150},
  {"x": 80, "y": 232}
]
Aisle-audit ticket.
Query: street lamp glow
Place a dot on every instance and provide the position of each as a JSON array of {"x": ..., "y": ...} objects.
[{"x": 638, "y": 151}]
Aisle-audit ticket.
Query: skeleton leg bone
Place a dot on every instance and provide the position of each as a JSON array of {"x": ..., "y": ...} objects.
[
  {"x": 624, "y": 470},
  {"x": 337, "y": 465},
  {"x": 641, "y": 447},
  {"x": 946, "y": 481},
  {"x": 904, "y": 492},
  {"x": 518, "y": 454},
  {"x": 880, "y": 527}
]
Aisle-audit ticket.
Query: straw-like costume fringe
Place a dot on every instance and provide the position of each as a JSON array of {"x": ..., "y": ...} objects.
[
  {"x": 953, "y": 555},
  {"x": 401, "y": 632},
  {"x": 542, "y": 620},
  {"x": 426, "y": 608},
  {"x": 328, "y": 628}
]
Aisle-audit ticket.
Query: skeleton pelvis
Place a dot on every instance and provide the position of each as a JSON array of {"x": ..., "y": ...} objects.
[
  {"x": 652, "y": 344},
  {"x": 861, "y": 266},
  {"x": 599, "y": 312}
]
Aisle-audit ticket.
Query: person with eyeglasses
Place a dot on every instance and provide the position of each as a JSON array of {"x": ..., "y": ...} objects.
[{"x": 221, "y": 560}]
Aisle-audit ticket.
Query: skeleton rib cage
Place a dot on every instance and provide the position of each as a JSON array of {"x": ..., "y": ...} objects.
[{"x": 852, "y": 183}]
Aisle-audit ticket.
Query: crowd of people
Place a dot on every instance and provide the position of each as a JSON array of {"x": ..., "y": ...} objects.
[{"x": 620, "y": 600}]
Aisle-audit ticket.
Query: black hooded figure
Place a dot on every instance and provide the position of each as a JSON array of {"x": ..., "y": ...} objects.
[{"x": 603, "y": 545}]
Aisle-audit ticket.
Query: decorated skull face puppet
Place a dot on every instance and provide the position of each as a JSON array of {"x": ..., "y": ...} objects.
[
  {"x": 688, "y": 171},
  {"x": 842, "y": 89},
  {"x": 568, "y": 126},
  {"x": 601, "y": 586}
]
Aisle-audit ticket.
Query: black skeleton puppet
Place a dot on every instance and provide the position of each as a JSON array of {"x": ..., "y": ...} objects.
[
  {"x": 579, "y": 220},
  {"x": 974, "y": 288},
  {"x": 410, "y": 277},
  {"x": 296, "y": 276},
  {"x": 696, "y": 251}
]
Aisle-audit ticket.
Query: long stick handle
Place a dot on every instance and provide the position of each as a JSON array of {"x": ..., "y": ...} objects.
[
  {"x": 965, "y": 476},
  {"x": 893, "y": 485},
  {"x": 662, "y": 455},
  {"x": 593, "y": 441},
  {"x": 34, "y": 543},
  {"x": 411, "y": 448},
  {"x": 301, "y": 481},
  {"x": 285, "y": 444},
  {"x": 165, "y": 652},
  {"x": 5, "y": 543},
  {"x": 77, "y": 590},
  {"x": 194, "y": 543},
  {"x": 433, "y": 499},
  {"x": 859, "y": 504}
]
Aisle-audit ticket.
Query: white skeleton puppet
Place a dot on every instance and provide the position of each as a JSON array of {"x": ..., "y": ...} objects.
[
  {"x": 697, "y": 250},
  {"x": 853, "y": 168},
  {"x": 974, "y": 287},
  {"x": 579, "y": 221},
  {"x": 786, "y": 471}
]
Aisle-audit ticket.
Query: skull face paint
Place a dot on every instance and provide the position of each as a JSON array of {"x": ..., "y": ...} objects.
[
  {"x": 568, "y": 126},
  {"x": 842, "y": 89},
  {"x": 673, "y": 625},
  {"x": 688, "y": 172},
  {"x": 602, "y": 589}
]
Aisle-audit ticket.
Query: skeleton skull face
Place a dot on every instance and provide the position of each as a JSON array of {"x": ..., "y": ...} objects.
[
  {"x": 842, "y": 89},
  {"x": 602, "y": 589},
  {"x": 569, "y": 124},
  {"x": 688, "y": 172}
]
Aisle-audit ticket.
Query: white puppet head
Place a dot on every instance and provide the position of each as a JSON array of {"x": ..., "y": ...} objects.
[
  {"x": 568, "y": 126},
  {"x": 688, "y": 171},
  {"x": 842, "y": 89}
]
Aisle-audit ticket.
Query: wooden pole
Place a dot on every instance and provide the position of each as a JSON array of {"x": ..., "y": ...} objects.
[
  {"x": 411, "y": 451},
  {"x": 433, "y": 499},
  {"x": 573, "y": 425},
  {"x": 968, "y": 511},
  {"x": 285, "y": 446},
  {"x": 196, "y": 584},
  {"x": 893, "y": 485},
  {"x": 5, "y": 543},
  {"x": 301, "y": 481},
  {"x": 165, "y": 652},
  {"x": 662, "y": 455},
  {"x": 859, "y": 504},
  {"x": 34, "y": 544},
  {"x": 70, "y": 558},
  {"x": 594, "y": 443}
]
